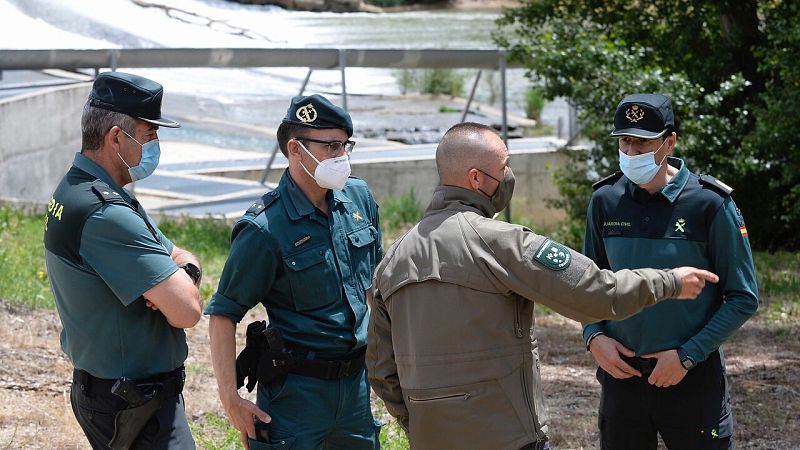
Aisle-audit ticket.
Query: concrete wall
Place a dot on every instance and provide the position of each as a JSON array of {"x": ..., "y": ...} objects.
[
  {"x": 532, "y": 172},
  {"x": 39, "y": 134}
]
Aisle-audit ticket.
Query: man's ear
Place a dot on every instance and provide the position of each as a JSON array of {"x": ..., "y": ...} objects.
[
  {"x": 673, "y": 138},
  {"x": 293, "y": 148},
  {"x": 472, "y": 177},
  {"x": 113, "y": 136}
]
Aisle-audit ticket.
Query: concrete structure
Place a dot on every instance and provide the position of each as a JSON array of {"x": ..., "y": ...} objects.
[
  {"x": 31, "y": 163},
  {"x": 39, "y": 134},
  {"x": 533, "y": 173}
]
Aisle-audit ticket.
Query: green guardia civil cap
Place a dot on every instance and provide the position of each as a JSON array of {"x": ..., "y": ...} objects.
[
  {"x": 132, "y": 95},
  {"x": 316, "y": 111}
]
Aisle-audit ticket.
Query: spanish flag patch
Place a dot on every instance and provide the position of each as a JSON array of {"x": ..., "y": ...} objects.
[{"x": 743, "y": 230}]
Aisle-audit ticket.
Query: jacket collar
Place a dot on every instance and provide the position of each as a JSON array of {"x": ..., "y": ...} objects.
[
  {"x": 674, "y": 186},
  {"x": 92, "y": 168},
  {"x": 459, "y": 199}
]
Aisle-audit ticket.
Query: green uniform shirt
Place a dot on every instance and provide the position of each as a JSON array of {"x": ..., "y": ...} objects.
[
  {"x": 692, "y": 221},
  {"x": 309, "y": 270},
  {"x": 101, "y": 256}
]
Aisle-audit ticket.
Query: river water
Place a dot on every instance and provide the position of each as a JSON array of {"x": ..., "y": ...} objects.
[{"x": 239, "y": 94}]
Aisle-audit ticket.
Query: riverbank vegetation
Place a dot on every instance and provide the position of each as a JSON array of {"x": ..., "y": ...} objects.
[{"x": 730, "y": 68}]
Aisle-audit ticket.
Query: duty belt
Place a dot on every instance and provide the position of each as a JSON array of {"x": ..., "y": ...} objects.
[
  {"x": 332, "y": 369},
  {"x": 171, "y": 382}
]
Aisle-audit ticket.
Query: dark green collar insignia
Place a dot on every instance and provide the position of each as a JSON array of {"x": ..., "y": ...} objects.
[{"x": 553, "y": 255}]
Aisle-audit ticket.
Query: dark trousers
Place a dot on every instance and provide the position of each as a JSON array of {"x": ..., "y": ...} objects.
[
  {"x": 694, "y": 414},
  {"x": 95, "y": 408}
]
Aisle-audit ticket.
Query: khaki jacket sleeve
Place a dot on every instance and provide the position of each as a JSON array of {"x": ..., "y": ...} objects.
[
  {"x": 381, "y": 366},
  {"x": 569, "y": 283}
]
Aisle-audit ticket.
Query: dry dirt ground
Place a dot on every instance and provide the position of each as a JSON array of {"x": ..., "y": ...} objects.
[{"x": 763, "y": 364}]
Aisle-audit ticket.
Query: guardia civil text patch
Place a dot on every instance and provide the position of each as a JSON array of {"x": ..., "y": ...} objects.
[{"x": 553, "y": 255}]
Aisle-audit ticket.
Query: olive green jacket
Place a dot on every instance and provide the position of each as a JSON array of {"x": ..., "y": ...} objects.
[{"x": 450, "y": 349}]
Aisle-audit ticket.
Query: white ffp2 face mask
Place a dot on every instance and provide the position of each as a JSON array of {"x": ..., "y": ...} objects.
[{"x": 330, "y": 173}]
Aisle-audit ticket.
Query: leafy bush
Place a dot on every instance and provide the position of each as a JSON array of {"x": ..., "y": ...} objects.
[
  {"x": 729, "y": 67},
  {"x": 534, "y": 102},
  {"x": 399, "y": 213},
  {"x": 431, "y": 81}
]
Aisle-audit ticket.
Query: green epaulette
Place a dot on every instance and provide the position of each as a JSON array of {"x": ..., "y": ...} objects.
[
  {"x": 715, "y": 184},
  {"x": 611, "y": 179}
]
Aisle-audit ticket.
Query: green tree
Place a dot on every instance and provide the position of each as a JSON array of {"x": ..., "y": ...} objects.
[{"x": 729, "y": 66}]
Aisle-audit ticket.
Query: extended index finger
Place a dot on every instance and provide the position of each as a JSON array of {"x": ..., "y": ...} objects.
[{"x": 708, "y": 276}]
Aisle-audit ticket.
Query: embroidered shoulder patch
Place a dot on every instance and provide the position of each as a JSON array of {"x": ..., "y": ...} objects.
[{"x": 553, "y": 255}]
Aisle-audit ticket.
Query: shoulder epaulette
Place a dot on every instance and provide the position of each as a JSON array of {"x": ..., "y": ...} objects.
[
  {"x": 611, "y": 179},
  {"x": 715, "y": 184},
  {"x": 105, "y": 192},
  {"x": 263, "y": 203}
]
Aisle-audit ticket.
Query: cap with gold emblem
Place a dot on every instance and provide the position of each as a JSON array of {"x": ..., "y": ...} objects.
[
  {"x": 646, "y": 116},
  {"x": 316, "y": 111}
]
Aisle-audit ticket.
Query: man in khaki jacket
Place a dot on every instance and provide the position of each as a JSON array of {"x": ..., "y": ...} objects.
[{"x": 449, "y": 344}]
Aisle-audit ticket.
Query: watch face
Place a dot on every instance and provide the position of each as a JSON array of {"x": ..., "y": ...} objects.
[{"x": 687, "y": 363}]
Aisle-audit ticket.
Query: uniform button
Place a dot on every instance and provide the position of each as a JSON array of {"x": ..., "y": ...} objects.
[
  {"x": 647, "y": 219},
  {"x": 294, "y": 263},
  {"x": 320, "y": 252}
]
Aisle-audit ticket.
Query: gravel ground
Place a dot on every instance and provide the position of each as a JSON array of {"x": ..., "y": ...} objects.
[{"x": 763, "y": 365}]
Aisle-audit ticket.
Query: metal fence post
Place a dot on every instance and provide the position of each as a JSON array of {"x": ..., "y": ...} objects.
[{"x": 342, "y": 66}]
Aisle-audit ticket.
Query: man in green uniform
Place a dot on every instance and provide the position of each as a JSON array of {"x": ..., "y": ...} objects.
[
  {"x": 662, "y": 370},
  {"x": 306, "y": 252},
  {"x": 121, "y": 296},
  {"x": 450, "y": 349}
]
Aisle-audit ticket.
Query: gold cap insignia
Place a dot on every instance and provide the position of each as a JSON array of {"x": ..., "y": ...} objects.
[
  {"x": 306, "y": 113},
  {"x": 634, "y": 113}
]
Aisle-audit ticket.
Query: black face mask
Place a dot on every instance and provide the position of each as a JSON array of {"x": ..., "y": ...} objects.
[{"x": 502, "y": 195}]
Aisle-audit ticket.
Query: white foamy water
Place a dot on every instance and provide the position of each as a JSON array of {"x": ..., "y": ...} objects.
[{"x": 40, "y": 24}]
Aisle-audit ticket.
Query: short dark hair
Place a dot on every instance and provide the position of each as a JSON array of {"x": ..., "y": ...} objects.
[
  {"x": 287, "y": 131},
  {"x": 95, "y": 123},
  {"x": 470, "y": 127}
]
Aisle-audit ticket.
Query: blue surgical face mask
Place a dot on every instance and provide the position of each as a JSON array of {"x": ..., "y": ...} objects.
[
  {"x": 151, "y": 152},
  {"x": 641, "y": 169}
]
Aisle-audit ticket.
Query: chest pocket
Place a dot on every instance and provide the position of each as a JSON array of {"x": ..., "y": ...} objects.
[
  {"x": 313, "y": 278},
  {"x": 362, "y": 254}
]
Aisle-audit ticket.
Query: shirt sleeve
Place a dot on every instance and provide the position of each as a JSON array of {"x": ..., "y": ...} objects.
[
  {"x": 594, "y": 249},
  {"x": 248, "y": 274},
  {"x": 732, "y": 260},
  {"x": 117, "y": 244}
]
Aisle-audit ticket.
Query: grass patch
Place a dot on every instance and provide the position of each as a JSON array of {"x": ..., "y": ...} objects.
[
  {"x": 398, "y": 214},
  {"x": 23, "y": 276},
  {"x": 213, "y": 432}
]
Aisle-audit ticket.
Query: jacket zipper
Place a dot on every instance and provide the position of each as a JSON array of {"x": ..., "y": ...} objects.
[
  {"x": 531, "y": 407},
  {"x": 465, "y": 396}
]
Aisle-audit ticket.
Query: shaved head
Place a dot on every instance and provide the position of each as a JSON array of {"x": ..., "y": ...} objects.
[{"x": 467, "y": 146}]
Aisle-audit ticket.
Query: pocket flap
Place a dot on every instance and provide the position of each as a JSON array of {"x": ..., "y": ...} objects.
[
  {"x": 305, "y": 259},
  {"x": 362, "y": 237}
]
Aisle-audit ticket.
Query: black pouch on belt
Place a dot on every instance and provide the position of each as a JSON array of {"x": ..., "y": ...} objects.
[{"x": 143, "y": 404}]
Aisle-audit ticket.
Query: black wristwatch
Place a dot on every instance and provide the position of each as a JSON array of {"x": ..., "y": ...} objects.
[
  {"x": 686, "y": 361},
  {"x": 193, "y": 271}
]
